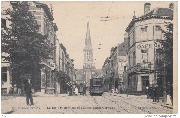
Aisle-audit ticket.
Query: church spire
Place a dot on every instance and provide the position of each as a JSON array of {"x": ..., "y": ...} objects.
[{"x": 88, "y": 37}]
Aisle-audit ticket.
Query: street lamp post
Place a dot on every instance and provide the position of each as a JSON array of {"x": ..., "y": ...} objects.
[{"x": 164, "y": 84}]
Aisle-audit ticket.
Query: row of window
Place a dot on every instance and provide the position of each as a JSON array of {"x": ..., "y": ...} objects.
[
  {"x": 144, "y": 57},
  {"x": 144, "y": 29},
  {"x": 157, "y": 32}
]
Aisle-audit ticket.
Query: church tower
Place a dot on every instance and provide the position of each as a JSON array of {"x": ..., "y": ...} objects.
[{"x": 88, "y": 66}]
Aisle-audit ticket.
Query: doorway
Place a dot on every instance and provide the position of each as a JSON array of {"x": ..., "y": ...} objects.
[{"x": 145, "y": 83}]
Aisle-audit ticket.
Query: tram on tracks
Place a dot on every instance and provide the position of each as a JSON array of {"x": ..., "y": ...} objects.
[{"x": 96, "y": 86}]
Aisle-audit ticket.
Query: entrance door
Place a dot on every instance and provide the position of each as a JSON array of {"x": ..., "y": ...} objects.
[{"x": 145, "y": 83}]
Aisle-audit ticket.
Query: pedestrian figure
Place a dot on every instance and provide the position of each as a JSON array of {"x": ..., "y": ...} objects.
[
  {"x": 15, "y": 89},
  {"x": 70, "y": 91},
  {"x": 76, "y": 91},
  {"x": 147, "y": 91},
  {"x": 150, "y": 92},
  {"x": 153, "y": 94},
  {"x": 28, "y": 92},
  {"x": 127, "y": 91},
  {"x": 157, "y": 93},
  {"x": 84, "y": 89},
  {"x": 169, "y": 94}
]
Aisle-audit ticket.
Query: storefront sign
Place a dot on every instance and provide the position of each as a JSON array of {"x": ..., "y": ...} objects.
[
  {"x": 158, "y": 45},
  {"x": 144, "y": 46}
]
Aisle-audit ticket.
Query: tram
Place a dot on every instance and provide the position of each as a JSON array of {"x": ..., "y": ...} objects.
[{"x": 96, "y": 86}]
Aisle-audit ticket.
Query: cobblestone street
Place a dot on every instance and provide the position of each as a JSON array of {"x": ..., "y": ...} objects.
[{"x": 108, "y": 103}]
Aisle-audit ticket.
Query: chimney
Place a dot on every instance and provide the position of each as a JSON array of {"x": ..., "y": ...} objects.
[
  {"x": 171, "y": 6},
  {"x": 147, "y": 7},
  {"x": 134, "y": 15}
]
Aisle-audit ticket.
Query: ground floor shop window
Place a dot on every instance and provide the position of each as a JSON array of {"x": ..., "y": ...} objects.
[
  {"x": 48, "y": 81},
  {"x": 4, "y": 74},
  {"x": 43, "y": 80}
]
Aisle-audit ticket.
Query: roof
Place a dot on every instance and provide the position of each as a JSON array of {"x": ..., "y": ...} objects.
[
  {"x": 162, "y": 12},
  {"x": 157, "y": 13}
]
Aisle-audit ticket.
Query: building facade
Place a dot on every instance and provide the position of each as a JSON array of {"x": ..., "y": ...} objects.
[
  {"x": 144, "y": 36},
  {"x": 114, "y": 68},
  {"x": 41, "y": 76},
  {"x": 44, "y": 17},
  {"x": 65, "y": 69},
  {"x": 106, "y": 74},
  {"x": 6, "y": 71},
  {"x": 122, "y": 62}
]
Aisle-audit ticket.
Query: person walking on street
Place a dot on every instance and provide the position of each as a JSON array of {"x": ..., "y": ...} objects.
[
  {"x": 154, "y": 94},
  {"x": 157, "y": 93},
  {"x": 70, "y": 91},
  {"x": 127, "y": 91},
  {"x": 28, "y": 92},
  {"x": 84, "y": 89},
  {"x": 147, "y": 91},
  {"x": 76, "y": 91}
]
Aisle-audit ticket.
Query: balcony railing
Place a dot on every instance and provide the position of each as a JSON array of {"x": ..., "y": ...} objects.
[
  {"x": 144, "y": 66},
  {"x": 45, "y": 62},
  {"x": 140, "y": 68}
]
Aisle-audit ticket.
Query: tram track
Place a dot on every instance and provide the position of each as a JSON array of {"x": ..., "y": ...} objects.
[
  {"x": 148, "y": 104},
  {"x": 131, "y": 107},
  {"x": 115, "y": 102},
  {"x": 96, "y": 102}
]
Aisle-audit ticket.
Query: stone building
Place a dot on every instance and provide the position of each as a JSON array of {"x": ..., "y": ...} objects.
[
  {"x": 122, "y": 62},
  {"x": 114, "y": 68},
  {"x": 65, "y": 67},
  {"x": 106, "y": 74},
  {"x": 44, "y": 17},
  {"x": 145, "y": 34},
  {"x": 41, "y": 78},
  {"x": 6, "y": 71}
]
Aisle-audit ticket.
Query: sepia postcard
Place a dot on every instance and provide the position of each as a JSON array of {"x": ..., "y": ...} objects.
[{"x": 89, "y": 57}]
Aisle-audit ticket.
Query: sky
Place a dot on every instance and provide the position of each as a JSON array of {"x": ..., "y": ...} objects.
[{"x": 72, "y": 17}]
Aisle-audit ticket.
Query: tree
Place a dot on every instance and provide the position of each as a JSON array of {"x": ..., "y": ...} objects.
[
  {"x": 168, "y": 58},
  {"x": 22, "y": 41},
  {"x": 168, "y": 50}
]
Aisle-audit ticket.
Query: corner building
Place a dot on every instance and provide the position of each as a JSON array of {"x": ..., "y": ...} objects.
[{"x": 144, "y": 56}]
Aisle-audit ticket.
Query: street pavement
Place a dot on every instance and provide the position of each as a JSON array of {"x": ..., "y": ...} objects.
[{"x": 108, "y": 103}]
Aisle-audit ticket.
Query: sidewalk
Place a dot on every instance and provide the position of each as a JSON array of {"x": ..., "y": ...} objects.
[
  {"x": 14, "y": 103},
  {"x": 143, "y": 98},
  {"x": 39, "y": 94}
]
